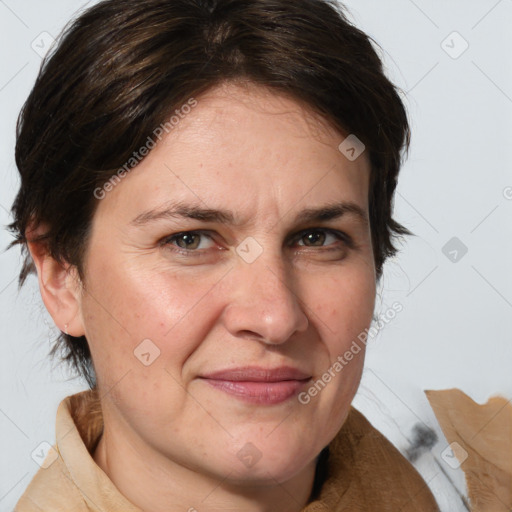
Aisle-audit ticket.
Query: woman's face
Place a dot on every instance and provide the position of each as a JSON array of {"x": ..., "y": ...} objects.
[{"x": 217, "y": 293}]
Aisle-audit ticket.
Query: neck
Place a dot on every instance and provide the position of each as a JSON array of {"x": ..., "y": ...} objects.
[{"x": 154, "y": 483}]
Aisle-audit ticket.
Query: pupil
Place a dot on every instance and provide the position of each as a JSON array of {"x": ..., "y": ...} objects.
[
  {"x": 188, "y": 239},
  {"x": 315, "y": 237}
]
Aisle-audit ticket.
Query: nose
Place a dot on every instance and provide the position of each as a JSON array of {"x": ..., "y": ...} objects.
[{"x": 263, "y": 303}]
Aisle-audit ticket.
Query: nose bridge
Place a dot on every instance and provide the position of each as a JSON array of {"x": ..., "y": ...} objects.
[{"x": 263, "y": 300}]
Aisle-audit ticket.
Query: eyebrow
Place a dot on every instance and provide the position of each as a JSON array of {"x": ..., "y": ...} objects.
[{"x": 190, "y": 211}]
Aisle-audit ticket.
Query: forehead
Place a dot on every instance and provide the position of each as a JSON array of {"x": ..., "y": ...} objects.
[
  {"x": 246, "y": 146},
  {"x": 250, "y": 106}
]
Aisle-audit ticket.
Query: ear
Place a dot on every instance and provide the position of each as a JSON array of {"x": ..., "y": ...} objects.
[{"x": 59, "y": 284}]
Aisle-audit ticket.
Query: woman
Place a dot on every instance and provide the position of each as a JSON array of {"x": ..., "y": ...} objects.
[{"x": 206, "y": 196}]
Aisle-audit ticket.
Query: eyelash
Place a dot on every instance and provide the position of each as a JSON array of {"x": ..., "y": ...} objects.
[{"x": 340, "y": 235}]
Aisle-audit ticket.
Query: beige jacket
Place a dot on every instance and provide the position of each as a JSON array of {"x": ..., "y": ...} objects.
[{"x": 364, "y": 471}]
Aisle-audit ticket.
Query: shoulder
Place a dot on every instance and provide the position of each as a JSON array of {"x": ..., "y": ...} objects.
[
  {"x": 69, "y": 479},
  {"x": 51, "y": 489},
  {"x": 375, "y": 475}
]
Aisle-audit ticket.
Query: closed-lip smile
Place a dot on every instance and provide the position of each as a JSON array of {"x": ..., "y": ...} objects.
[{"x": 257, "y": 384}]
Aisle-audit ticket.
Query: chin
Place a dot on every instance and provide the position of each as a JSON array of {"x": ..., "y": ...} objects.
[
  {"x": 264, "y": 463},
  {"x": 267, "y": 474}
]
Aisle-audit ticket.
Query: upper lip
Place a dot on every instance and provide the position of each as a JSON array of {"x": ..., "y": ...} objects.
[{"x": 258, "y": 374}]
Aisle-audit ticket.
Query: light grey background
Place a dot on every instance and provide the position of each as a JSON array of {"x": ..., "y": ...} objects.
[{"x": 455, "y": 327}]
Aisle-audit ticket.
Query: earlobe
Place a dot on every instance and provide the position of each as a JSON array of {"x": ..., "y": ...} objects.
[{"x": 60, "y": 289}]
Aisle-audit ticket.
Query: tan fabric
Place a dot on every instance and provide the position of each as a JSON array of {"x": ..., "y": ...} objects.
[
  {"x": 484, "y": 434},
  {"x": 365, "y": 472}
]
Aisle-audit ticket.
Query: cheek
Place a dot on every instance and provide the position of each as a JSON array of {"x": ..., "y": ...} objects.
[
  {"x": 124, "y": 306},
  {"x": 344, "y": 306}
]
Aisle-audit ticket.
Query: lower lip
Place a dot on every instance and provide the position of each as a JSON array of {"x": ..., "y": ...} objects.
[{"x": 260, "y": 392}]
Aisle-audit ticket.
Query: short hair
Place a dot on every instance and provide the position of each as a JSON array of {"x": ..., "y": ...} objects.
[{"x": 122, "y": 68}]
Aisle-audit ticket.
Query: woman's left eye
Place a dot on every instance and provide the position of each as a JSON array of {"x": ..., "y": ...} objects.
[{"x": 320, "y": 237}]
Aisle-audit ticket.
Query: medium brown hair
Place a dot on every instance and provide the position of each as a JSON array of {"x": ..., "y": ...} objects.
[{"x": 122, "y": 68}]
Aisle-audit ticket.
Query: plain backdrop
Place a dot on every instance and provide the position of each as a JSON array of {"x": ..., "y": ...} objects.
[{"x": 452, "y": 61}]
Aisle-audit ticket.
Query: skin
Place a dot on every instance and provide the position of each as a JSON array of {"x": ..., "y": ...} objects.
[{"x": 171, "y": 439}]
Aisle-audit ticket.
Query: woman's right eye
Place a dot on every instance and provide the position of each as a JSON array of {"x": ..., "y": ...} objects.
[{"x": 188, "y": 241}]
